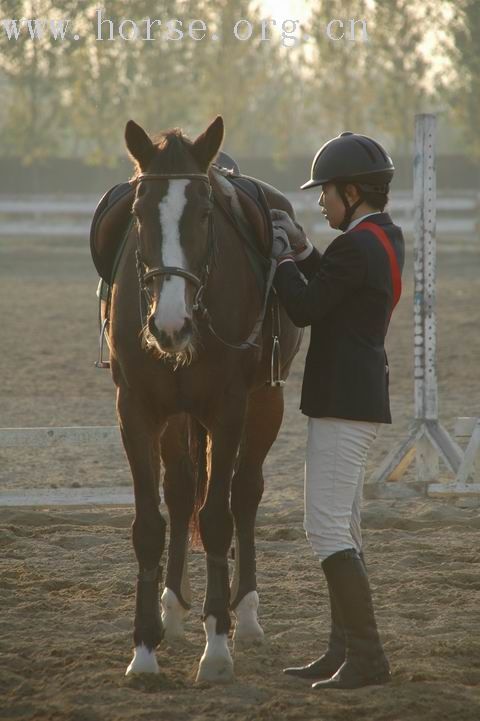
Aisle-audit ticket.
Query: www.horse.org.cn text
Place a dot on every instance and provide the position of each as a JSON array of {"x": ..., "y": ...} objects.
[{"x": 289, "y": 32}]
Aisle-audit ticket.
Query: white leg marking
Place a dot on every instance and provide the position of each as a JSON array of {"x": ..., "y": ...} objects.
[
  {"x": 171, "y": 310},
  {"x": 247, "y": 629},
  {"x": 144, "y": 661},
  {"x": 173, "y": 616},
  {"x": 216, "y": 665}
]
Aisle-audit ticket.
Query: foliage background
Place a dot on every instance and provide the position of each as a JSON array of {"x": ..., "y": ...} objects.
[{"x": 71, "y": 99}]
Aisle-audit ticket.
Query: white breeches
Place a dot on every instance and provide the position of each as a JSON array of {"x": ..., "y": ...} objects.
[{"x": 334, "y": 471}]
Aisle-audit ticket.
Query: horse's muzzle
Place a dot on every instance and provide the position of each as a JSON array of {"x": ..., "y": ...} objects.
[{"x": 171, "y": 341}]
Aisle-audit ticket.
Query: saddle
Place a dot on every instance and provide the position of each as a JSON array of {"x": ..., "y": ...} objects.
[{"x": 241, "y": 199}]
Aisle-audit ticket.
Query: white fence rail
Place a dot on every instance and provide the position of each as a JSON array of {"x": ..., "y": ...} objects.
[
  {"x": 458, "y": 214},
  {"x": 59, "y": 437},
  {"x": 51, "y": 436}
]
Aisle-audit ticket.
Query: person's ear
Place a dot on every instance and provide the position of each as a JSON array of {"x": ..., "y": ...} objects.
[{"x": 352, "y": 193}]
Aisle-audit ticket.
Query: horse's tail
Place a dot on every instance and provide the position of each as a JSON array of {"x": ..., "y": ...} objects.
[{"x": 200, "y": 448}]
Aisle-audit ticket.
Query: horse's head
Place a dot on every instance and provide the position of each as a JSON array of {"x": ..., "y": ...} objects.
[{"x": 174, "y": 231}]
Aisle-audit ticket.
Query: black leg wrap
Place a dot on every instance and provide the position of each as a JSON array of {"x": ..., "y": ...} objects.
[
  {"x": 247, "y": 570},
  {"x": 148, "y": 627},
  {"x": 218, "y": 592},
  {"x": 175, "y": 566}
]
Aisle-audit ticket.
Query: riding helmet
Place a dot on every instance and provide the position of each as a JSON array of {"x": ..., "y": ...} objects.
[{"x": 351, "y": 156}]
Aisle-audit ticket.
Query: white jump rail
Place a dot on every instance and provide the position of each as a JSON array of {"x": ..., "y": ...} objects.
[{"x": 70, "y": 216}]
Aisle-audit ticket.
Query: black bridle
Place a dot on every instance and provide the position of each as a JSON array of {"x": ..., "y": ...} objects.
[
  {"x": 198, "y": 307},
  {"x": 144, "y": 277}
]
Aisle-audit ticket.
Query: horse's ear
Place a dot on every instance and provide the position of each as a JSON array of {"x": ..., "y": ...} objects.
[
  {"x": 207, "y": 145},
  {"x": 139, "y": 144}
]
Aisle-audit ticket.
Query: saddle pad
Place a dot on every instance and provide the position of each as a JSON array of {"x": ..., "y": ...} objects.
[
  {"x": 257, "y": 211},
  {"x": 104, "y": 286},
  {"x": 110, "y": 220}
]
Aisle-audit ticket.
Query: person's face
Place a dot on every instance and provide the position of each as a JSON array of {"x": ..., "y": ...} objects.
[{"x": 332, "y": 205}]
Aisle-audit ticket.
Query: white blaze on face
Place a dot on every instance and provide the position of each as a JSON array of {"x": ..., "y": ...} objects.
[{"x": 171, "y": 309}]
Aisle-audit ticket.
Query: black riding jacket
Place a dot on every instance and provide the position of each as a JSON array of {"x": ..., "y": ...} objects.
[{"x": 347, "y": 301}]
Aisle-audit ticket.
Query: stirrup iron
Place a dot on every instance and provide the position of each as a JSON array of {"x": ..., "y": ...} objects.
[
  {"x": 100, "y": 363},
  {"x": 275, "y": 367}
]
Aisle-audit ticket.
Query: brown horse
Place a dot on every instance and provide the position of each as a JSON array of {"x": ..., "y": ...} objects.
[{"x": 191, "y": 393}]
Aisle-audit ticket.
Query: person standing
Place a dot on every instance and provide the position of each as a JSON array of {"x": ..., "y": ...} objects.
[{"x": 347, "y": 296}]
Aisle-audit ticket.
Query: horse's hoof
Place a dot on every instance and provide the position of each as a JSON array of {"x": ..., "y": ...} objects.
[
  {"x": 247, "y": 640},
  {"x": 143, "y": 661},
  {"x": 216, "y": 665},
  {"x": 248, "y": 631},
  {"x": 175, "y": 639},
  {"x": 215, "y": 670},
  {"x": 173, "y": 616}
]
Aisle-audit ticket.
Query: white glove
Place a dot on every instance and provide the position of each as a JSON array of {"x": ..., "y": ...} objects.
[
  {"x": 281, "y": 247},
  {"x": 296, "y": 235}
]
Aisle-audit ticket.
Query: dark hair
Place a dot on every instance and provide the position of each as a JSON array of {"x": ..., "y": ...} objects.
[{"x": 374, "y": 200}]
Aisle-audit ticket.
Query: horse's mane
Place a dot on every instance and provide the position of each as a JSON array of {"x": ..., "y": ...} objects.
[{"x": 171, "y": 147}]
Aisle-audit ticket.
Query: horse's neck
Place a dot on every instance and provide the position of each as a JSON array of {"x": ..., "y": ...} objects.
[{"x": 224, "y": 187}]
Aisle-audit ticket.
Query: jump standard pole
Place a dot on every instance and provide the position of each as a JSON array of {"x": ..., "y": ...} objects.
[{"x": 427, "y": 440}]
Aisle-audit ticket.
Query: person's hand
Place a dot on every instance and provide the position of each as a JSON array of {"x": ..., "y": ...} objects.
[
  {"x": 281, "y": 248},
  {"x": 295, "y": 233}
]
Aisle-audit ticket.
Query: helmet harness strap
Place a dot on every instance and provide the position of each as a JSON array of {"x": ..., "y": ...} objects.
[{"x": 349, "y": 209}]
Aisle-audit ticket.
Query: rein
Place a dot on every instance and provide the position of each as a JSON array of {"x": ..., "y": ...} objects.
[{"x": 145, "y": 276}]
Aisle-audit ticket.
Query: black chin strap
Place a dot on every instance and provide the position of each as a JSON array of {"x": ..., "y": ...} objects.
[{"x": 349, "y": 209}]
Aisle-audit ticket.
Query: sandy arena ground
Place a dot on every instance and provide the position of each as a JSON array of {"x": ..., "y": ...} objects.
[{"x": 67, "y": 574}]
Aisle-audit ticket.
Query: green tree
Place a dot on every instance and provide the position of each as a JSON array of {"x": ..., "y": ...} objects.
[
  {"x": 112, "y": 80},
  {"x": 462, "y": 90},
  {"x": 399, "y": 67},
  {"x": 248, "y": 81},
  {"x": 340, "y": 89},
  {"x": 34, "y": 79}
]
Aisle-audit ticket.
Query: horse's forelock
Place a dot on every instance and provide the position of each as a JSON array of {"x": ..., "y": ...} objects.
[{"x": 172, "y": 152}]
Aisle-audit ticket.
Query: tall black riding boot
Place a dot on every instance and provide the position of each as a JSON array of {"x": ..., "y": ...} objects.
[
  {"x": 332, "y": 659},
  {"x": 365, "y": 662}
]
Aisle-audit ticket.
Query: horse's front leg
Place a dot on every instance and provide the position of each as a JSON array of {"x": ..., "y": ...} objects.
[
  {"x": 140, "y": 435},
  {"x": 179, "y": 489},
  {"x": 263, "y": 420},
  {"x": 216, "y": 530}
]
